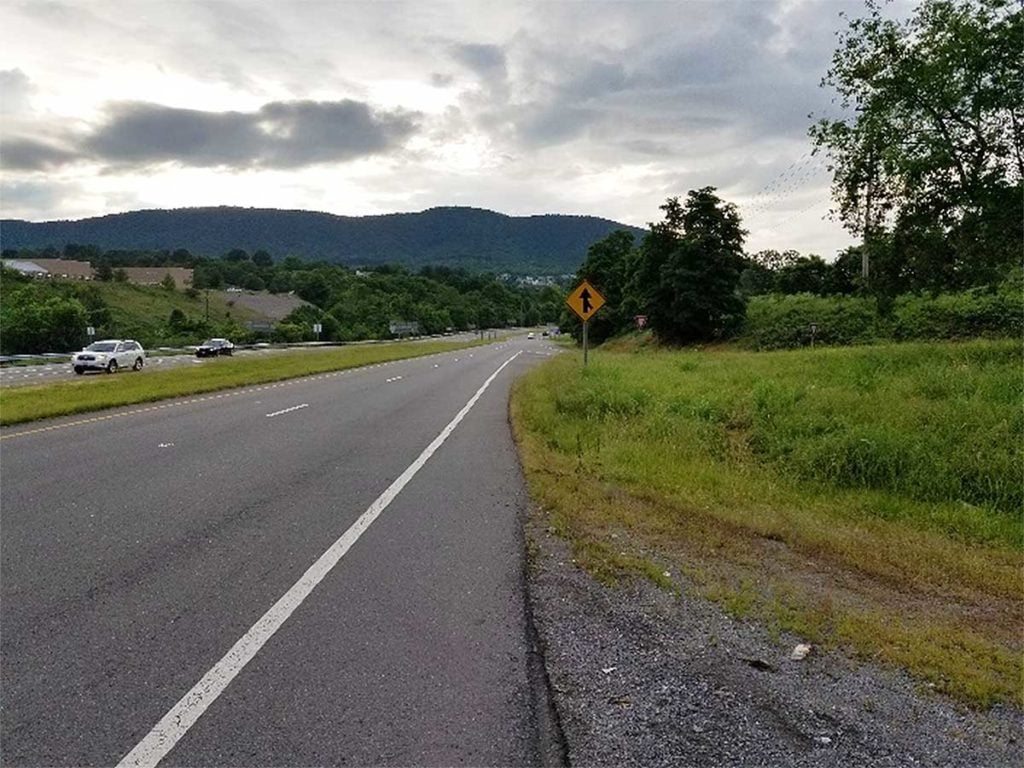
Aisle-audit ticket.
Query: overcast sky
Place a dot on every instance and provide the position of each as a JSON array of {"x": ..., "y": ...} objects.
[{"x": 360, "y": 108}]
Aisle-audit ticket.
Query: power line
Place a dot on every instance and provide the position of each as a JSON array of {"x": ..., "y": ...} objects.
[{"x": 787, "y": 182}]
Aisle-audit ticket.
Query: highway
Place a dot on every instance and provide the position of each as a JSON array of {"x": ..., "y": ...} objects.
[
  {"x": 324, "y": 571},
  {"x": 45, "y": 373},
  {"x": 48, "y": 372}
]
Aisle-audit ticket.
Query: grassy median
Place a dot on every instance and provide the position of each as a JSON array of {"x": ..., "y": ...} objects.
[
  {"x": 867, "y": 498},
  {"x": 94, "y": 393}
]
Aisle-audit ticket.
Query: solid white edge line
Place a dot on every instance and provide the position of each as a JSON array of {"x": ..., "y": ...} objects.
[
  {"x": 183, "y": 715},
  {"x": 287, "y": 410}
]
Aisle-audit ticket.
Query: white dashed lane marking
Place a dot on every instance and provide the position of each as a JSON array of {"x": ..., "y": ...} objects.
[
  {"x": 287, "y": 410},
  {"x": 194, "y": 400}
]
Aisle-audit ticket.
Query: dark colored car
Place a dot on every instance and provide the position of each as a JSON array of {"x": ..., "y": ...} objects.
[{"x": 214, "y": 347}]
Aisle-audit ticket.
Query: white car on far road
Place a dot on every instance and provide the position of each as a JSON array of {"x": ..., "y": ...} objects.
[{"x": 109, "y": 355}]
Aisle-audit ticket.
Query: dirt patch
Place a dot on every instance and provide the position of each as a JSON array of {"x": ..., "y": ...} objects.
[
  {"x": 269, "y": 306},
  {"x": 646, "y": 676}
]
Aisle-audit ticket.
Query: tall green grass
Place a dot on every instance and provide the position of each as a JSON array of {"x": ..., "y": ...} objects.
[
  {"x": 937, "y": 429},
  {"x": 898, "y": 469}
]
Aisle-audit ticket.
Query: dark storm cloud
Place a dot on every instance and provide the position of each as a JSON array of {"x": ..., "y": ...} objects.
[
  {"x": 30, "y": 155},
  {"x": 33, "y": 195},
  {"x": 279, "y": 135},
  {"x": 488, "y": 61},
  {"x": 682, "y": 76}
]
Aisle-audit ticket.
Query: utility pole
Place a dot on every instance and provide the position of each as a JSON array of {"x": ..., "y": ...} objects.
[{"x": 865, "y": 258}]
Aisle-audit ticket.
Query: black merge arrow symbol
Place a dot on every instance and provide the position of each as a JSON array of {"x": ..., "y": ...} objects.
[{"x": 585, "y": 297}]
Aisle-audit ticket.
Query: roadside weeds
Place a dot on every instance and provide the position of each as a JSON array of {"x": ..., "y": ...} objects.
[{"x": 878, "y": 590}]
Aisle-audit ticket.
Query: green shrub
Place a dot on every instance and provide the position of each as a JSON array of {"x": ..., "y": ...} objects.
[
  {"x": 778, "y": 322},
  {"x": 970, "y": 314}
]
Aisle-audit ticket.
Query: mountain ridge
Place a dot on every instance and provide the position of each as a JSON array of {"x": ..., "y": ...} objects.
[{"x": 464, "y": 236}]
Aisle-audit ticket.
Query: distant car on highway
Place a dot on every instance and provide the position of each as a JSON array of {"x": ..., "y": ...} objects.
[
  {"x": 109, "y": 355},
  {"x": 214, "y": 347},
  {"x": 529, "y": 335}
]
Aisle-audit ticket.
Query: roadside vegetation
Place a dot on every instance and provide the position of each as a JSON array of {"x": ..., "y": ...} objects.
[
  {"x": 781, "y": 321},
  {"x": 865, "y": 498},
  {"x": 349, "y": 305},
  {"x": 95, "y": 393}
]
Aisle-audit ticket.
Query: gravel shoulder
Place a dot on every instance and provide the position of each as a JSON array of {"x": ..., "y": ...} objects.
[{"x": 642, "y": 676}]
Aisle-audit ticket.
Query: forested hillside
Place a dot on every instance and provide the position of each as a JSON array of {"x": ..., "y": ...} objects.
[
  {"x": 464, "y": 237},
  {"x": 52, "y": 315}
]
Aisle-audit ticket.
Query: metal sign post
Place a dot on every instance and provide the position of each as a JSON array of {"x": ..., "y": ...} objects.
[{"x": 585, "y": 345}]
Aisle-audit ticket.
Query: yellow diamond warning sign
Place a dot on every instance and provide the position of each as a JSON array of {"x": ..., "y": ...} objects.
[{"x": 585, "y": 300}]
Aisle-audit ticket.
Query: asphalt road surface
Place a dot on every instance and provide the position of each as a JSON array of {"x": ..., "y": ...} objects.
[
  {"x": 46, "y": 373},
  {"x": 324, "y": 571}
]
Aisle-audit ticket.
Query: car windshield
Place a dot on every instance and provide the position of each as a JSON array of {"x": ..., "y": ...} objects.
[
  {"x": 101, "y": 346},
  {"x": 211, "y": 343}
]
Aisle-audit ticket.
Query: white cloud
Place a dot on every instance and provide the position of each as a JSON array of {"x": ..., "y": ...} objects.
[{"x": 603, "y": 108}]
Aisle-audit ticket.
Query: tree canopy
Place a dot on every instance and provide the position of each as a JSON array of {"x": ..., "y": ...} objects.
[
  {"x": 686, "y": 273},
  {"x": 931, "y": 151}
]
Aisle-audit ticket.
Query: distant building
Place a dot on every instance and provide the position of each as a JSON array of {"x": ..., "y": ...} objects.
[
  {"x": 155, "y": 275},
  {"x": 63, "y": 268},
  {"x": 26, "y": 267}
]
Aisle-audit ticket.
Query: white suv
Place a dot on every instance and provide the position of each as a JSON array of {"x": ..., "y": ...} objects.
[{"x": 109, "y": 355}]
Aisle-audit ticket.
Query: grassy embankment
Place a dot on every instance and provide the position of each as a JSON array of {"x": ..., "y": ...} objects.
[
  {"x": 94, "y": 393},
  {"x": 865, "y": 498},
  {"x": 147, "y": 307}
]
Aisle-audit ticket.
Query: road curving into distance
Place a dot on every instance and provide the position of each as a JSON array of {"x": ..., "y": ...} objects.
[{"x": 322, "y": 571}]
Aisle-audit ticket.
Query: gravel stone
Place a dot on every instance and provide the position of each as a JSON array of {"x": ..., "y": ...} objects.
[{"x": 639, "y": 676}]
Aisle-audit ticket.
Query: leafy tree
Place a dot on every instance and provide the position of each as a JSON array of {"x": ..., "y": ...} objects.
[
  {"x": 844, "y": 277},
  {"x": 33, "y": 322},
  {"x": 313, "y": 288},
  {"x": 805, "y": 274},
  {"x": 606, "y": 268},
  {"x": 96, "y": 308},
  {"x": 935, "y": 140},
  {"x": 262, "y": 259},
  {"x": 10, "y": 277},
  {"x": 104, "y": 272},
  {"x": 168, "y": 283},
  {"x": 686, "y": 272},
  {"x": 303, "y": 318},
  {"x": 120, "y": 276}
]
